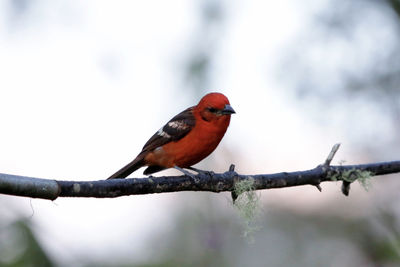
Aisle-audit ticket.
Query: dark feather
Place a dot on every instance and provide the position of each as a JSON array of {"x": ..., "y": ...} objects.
[
  {"x": 153, "y": 169},
  {"x": 173, "y": 130},
  {"x": 129, "y": 168}
]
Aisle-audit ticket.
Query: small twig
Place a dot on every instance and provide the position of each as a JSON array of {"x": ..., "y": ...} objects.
[
  {"x": 345, "y": 184},
  {"x": 327, "y": 163},
  {"x": 331, "y": 154},
  {"x": 235, "y": 180},
  {"x": 318, "y": 186}
]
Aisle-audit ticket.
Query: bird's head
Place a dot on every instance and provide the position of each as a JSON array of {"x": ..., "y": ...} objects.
[{"x": 215, "y": 106}]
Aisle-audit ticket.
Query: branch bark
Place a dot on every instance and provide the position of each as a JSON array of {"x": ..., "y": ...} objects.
[{"x": 212, "y": 182}]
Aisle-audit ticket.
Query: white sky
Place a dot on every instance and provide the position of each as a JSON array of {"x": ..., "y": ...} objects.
[{"x": 66, "y": 115}]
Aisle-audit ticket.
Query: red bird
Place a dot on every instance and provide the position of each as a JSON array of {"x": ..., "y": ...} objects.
[{"x": 186, "y": 139}]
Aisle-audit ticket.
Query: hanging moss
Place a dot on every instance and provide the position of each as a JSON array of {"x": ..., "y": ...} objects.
[{"x": 248, "y": 206}]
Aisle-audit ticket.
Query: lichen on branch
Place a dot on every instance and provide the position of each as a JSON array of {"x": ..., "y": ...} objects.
[
  {"x": 248, "y": 206},
  {"x": 362, "y": 176}
]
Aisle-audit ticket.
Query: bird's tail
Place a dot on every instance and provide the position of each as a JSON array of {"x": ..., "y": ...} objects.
[{"x": 128, "y": 169}]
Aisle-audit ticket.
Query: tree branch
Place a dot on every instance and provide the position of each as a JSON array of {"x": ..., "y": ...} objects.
[{"x": 212, "y": 182}]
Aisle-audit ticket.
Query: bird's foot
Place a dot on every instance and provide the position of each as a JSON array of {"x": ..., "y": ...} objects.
[
  {"x": 202, "y": 172},
  {"x": 187, "y": 173}
]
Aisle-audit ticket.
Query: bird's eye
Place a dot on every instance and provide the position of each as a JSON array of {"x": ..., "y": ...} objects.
[{"x": 212, "y": 110}]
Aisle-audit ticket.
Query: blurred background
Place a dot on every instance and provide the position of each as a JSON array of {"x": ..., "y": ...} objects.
[{"x": 84, "y": 84}]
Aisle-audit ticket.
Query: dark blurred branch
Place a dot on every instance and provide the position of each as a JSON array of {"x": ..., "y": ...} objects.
[{"x": 212, "y": 182}]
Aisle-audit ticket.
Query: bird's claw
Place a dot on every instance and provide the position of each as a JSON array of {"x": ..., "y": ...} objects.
[
  {"x": 202, "y": 172},
  {"x": 191, "y": 175}
]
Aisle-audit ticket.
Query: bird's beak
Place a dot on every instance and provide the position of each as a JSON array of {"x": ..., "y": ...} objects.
[{"x": 228, "y": 110}]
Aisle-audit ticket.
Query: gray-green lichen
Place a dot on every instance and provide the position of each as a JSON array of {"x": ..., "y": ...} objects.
[
  {"x": 76, "y": 188},
  {"x": 362, "y": 176},
  {"x": 248, "y": 206}
]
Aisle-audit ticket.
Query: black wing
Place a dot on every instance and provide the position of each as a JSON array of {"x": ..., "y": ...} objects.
[{"x": 175, "y": 129}]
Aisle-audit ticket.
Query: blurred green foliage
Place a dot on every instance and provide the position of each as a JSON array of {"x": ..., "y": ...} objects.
[
  {"x": 212, "y": 238},
  {"x": 19, "y": 246},
  {"x": 285, "y": 239}
]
